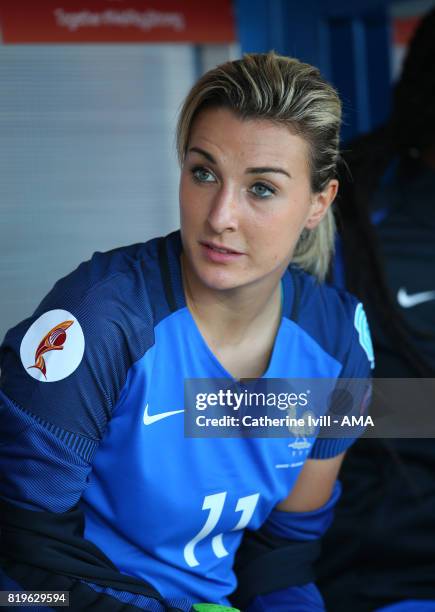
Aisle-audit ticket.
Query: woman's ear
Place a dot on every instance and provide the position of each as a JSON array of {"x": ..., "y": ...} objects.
[{"x": 320, "y": 204}]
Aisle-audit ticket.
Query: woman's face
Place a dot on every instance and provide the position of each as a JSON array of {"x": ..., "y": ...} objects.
[{"x": 245, "y": 198}]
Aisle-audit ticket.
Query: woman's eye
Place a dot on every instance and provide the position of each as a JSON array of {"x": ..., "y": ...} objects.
[
  {"x": 262, "y": 191},
  {"x": 202, "y": 175}
]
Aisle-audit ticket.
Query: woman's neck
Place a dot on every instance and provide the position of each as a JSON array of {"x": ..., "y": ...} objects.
[{"x": 229, "y": 317}]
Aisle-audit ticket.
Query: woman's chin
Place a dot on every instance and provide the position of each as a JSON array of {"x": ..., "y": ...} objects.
[
  {"x": 220, "y": 283},
  {"x": 220, "y": 280}
]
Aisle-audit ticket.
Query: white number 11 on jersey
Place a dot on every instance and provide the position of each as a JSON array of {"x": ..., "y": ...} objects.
[{"x": 215, "y": 504}]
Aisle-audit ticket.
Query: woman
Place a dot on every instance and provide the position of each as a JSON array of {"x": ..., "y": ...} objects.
[{"x": 92, "y": 385}]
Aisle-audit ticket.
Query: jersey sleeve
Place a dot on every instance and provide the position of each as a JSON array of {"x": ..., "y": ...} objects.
[
  {"x": 62, "y": 371},
  {"x": 353, "y": 391}
]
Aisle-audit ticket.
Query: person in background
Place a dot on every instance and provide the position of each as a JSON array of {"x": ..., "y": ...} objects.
[
  {"x": 102, "y": 495},
  {"x": 387, "y": 219}
]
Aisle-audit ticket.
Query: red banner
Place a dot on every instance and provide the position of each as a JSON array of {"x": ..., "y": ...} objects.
[{"x": 117, "y": 21}]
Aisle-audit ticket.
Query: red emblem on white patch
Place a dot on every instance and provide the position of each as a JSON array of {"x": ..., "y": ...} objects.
[{"x": 60, "y": 350}]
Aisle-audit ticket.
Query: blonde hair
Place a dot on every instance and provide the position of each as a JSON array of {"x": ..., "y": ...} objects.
[{"x": 291, "y": 93}]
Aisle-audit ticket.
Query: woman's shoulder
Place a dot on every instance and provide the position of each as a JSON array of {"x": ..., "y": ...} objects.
[
  {"x": 85, "y": 335},
  {"x": 102, "y": 305},
  {"x": 322, "y": 296},
  {"x": 117, "y": 268},
  {"x": 333, "y": 317}
]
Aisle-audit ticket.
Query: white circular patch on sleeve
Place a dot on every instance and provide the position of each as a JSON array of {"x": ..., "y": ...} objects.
[{"x": 53, "y": 346}]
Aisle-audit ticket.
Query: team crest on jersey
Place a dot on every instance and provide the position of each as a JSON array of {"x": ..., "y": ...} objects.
[
  {"x": 362, "y": 327},
  {"x": 300, "y": 444},
  {"x": 53, "y": 346}
]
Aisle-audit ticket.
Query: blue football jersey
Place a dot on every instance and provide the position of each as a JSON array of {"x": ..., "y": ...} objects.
[{"x": 92, "y": 412}]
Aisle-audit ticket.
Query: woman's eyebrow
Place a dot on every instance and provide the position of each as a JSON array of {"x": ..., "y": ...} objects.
[
  {"x": 265, "y": 169},
  {"x": 206, "y": 154},
  {"x": 253, "y": 170}
]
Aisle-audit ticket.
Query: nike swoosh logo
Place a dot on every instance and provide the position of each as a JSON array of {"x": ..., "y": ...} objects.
[
  {"x": 149, "y": 419},
  {"x": 407, "y": 300}
]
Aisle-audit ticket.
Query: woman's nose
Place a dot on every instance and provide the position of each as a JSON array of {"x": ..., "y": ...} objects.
[{"x": 224, "y": 212}]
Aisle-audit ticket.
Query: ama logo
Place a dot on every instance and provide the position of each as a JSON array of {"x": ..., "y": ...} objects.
[{"x": 53, "y": 346}]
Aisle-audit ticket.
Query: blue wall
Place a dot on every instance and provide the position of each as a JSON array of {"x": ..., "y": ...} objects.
[{"x": 348, "y": 41}]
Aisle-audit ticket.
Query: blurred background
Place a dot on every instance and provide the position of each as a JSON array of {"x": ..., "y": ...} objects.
[{"x": 89, "y": 94}]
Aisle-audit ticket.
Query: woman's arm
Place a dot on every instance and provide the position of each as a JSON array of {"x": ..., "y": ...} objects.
[
  {"x": 282, "y": 553},
  {"x": 53, "y": 418},
  {"x": 314, "y": 485}
]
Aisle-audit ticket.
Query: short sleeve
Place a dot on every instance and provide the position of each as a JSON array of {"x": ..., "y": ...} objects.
[
  {"x": 62, "y": 371},
  {"x": 353, "y": 391}
]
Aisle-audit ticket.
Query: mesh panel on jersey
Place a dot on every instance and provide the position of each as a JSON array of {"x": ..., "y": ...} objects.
[{"x": 43, "y": 466}]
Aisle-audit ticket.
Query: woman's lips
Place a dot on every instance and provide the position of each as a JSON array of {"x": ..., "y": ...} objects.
[{"x": 218, "y": 253}]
